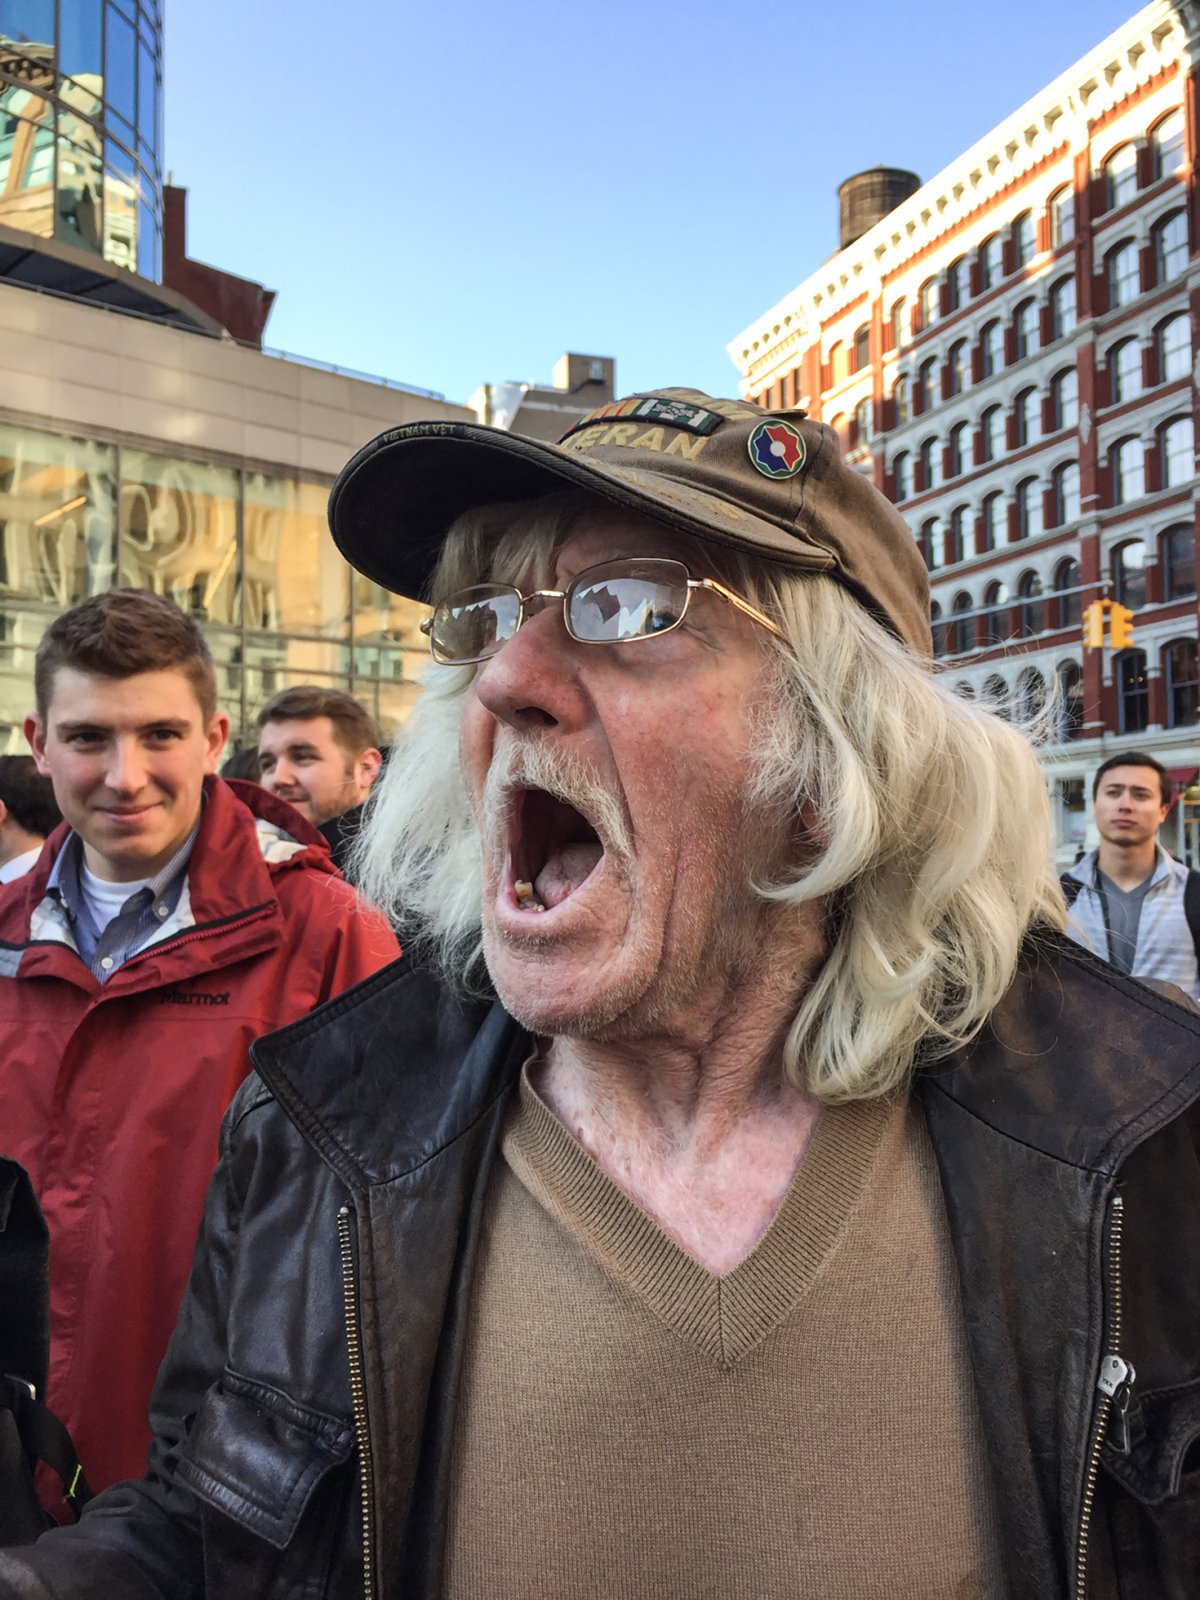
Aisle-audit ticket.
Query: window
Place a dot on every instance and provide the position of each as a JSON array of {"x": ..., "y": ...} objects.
[
  {"x": 1025, "y": 328},
  {"x": 1062, "y": 217},
  {"x": 862, "y": 422},
  {"x": 1128, "y": 471},
  {"x": 1170, "y": 237},
  {"x": 995, "y": 694},
  {"x": 862, "y": 348},
  {"x": 956, "y": 284},
  {"x": 996, "y": 618},
  {"x": 958, "y": 634},
  {"x": 1065, "y": 484},
  {"x": 991, "y": 262},
  {"x": 931, "y": 463},
  {"x": 958, "y": 449},
  {"x": 1133, "y": 697},
  {"x": 991, "y": 344},
  {"x": 902, "y": 475},
  {"x": 993, "y": 521},
  {"x": 1062, "y": 308},
  {"x": 1027, "y": 415},
  {"x": 1182, "y": 685},
  {"x": 900, "y": 399},
  {"x": 1120, "y": 176},
  {"x": 964, "y": 690},
  {"x": 956, "y": 366},
  {"x": 1031, "y": 695},
  {"x": 931, "y": 542},
  {"x": 1124, "y": 371},
  {"x": 927, "y": 383},
  {"x": 1023, "y": 243},
  {"x": 929, "y": 302},
  {"x": 1129, "y": 573},
  {"x": 1166, "y": 140},
  {"x": 1178, "y": 452},
  {"x": 837, "y": 363},
  {"x": 1174, "y": 348},
  {"x": 991, "y": 433},
  {"x": 1032, "y": 609},
  {"x": 1064, "y": 399},
  {"x": 937, "y": 628},
  {"x": 1124, "y": 277},
  {"x": 1070, "y": 701},
  {"x": 1177, "y": 555},
  {"x": 956, "y": 534},
  {"x": 1068, "y": 580},
  {"x": 899, "y": 324},
  {"x": 1028, "y": 501}
]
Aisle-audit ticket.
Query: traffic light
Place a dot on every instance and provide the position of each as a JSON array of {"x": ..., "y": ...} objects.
[
  {"x": 1093, "y": 625},
  {"x": 1120, "y": 627}
]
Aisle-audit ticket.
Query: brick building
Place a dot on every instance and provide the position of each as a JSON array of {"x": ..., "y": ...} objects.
[{"x": 1008, "y": 351}]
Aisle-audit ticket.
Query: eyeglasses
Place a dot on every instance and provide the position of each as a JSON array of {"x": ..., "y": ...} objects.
[{"x": 616, "y": 602}]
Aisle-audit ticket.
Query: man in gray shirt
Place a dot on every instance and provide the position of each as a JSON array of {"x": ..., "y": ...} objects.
[{"x": 1128, "y": 898}]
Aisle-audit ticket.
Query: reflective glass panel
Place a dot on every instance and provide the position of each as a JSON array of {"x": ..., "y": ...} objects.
[
  {"x": 120, "y": 64},
  {"x": 56, "y": 517},
  {"x": 295, "y": 581},
  {"x": 26, "y": 162},
  {"x": 80, "y": 170},
  {"x": 28, "y": 21},
  {"x": 179, "y": 533},
  {"x": 121, "y": 195},
  {"x": 389, "y": 698},
  {"x": 147, "y": 101},
  {"x": 148, "y": 243},
  {"x": 79, "y": 41}
]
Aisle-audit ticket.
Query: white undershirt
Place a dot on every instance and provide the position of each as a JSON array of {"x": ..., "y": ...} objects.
[
  {"x": 18, "y": 866},
  {"x": 105, "y": 899}
]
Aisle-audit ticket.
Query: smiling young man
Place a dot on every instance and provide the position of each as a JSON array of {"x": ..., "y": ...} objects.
[
  {"x": 1129, "y": 901},
  {"x": 739, "y": 1192},
  {"x": 174, "y": 921},
  {"x": 319, "y": 749}
]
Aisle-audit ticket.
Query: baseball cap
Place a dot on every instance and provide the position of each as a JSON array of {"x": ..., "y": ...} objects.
[{"x": 769, "y": 483}]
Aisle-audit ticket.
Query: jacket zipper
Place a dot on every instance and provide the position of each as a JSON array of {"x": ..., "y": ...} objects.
[
  {"x": 1114, "y": 1386},
  {"x": 358, "y": 1397}
]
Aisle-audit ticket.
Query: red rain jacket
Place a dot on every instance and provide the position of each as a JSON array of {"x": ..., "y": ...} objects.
[{"x": 112, "y": 1095}]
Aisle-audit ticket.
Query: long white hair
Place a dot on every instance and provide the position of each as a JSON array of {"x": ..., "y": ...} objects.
[{"x": 931, "y": 852}]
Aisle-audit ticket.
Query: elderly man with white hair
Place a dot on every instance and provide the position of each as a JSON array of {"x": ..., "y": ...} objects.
[{"x": 741, "y": 1187}]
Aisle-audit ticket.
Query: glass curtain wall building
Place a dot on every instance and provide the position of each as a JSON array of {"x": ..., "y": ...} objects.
[{"x": 81, "y": 126}]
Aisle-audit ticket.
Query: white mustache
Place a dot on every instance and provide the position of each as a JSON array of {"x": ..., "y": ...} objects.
[{"x": 567, "y": 778}]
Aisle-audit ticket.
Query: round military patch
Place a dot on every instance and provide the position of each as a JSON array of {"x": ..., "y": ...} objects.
[{"x": 777, "y": 450}]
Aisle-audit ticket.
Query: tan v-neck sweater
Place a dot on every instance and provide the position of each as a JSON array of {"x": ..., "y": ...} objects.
[{"x": 632, "y": 1427}]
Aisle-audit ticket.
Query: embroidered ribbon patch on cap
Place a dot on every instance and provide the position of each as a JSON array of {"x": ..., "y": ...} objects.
[
  {"x": 648, "y": 408},
  {"x": 777, "y": 450}
]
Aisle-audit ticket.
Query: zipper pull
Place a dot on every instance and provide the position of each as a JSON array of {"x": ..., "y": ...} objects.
[{"x": 1116, "y": 1380}]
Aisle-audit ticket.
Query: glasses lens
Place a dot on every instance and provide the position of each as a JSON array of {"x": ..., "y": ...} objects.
[
  {"x": 627, "y": 600},
  {"x": 474, "y": 623}
]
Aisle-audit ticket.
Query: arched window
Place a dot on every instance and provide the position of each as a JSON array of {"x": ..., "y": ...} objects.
[
  {"x": 959, "y": 630},
  {"x": 1170, "y": 237},
  {"x": 1028, "y": 501},
  {"x": 1180, "y": 679},
  {"x": 995, "y": 692},
  {"x": 993, "y": 521},
  {"x": 956, "y": 365},
  {"x": 1123, "y": 273},
  {"x": 1129, "y": 573},
  {"x": 862, "y": 347},
  {"x": 1174, "y": 339},
  {"x": 931, "y": 463},
  {"x": 837, "y": 363},
  {"x": 1068, "y": 580},
  {"x": 1064, "y": 399},
  {"x": 1166, "y": 140},
  {"x": 991, "y": 262},
  {"x": 931, "y": 542},
  {"x": 1025, "y": 328},
  {"x": 996, "y": 619},
  {"x": 1062, "y": 308},
  {"x": 1027, "y": 413},
  {"x": 902, "y": 475},
  {"x": 1177, "y": 557},
  {"x": 1032, "y": 609},
  {"x": 1070, "y": 701},
  {"x": 1022, "y": 234},
  {"x": 929, "y": 302},
  {"x": 991, "y": 344},
  {"x": 1128, "y": 460},
  {"x": 1120, "y": 175},
  {"x": 927, "y": 382},
  {"x": 1133, "y": 693},
  {"x": 991, "y": 433},
  {"x": 862, "y": 422},
  {"x": 958, "y": 448},
  {"x": 937, "y": 628},
  {"x": 1178, "y": 452},
  {"x": 1124, "y": 370},
  {"x": 1062, "y": 216},
  {"x": 956, "y": 284},
  {"x": 956, "y": 534},
  {"x": 964, "y": 690},
  {"x": 1031, "y": 694},
  {"x": 900, "y": 399},
  {"x": 899, "y": 323},
  {"x": 1065, "y": 483}
]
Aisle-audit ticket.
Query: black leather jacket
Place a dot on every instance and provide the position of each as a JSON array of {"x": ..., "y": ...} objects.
[{"x": 324, "y": 1322}]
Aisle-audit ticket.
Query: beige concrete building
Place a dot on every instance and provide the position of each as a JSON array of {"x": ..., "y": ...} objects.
[{"x": 578, "y": 385}]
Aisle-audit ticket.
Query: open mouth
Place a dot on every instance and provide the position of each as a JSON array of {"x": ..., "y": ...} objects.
[{"x": 553, "y": 850}]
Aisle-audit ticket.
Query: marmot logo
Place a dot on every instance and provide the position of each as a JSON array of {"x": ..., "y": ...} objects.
[{"x": 177, "y": 997}]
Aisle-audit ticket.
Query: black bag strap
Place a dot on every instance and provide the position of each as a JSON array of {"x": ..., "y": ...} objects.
[
  {"x": 45, "y": 1439},
  {"x": 1191, "y": 908},
  {"x": 1070, "y": 888}
]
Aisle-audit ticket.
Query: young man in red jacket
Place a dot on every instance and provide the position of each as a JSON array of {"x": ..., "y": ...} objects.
[{"x": 174, "y": 919}]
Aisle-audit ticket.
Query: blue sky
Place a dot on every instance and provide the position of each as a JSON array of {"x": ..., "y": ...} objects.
[{"x": 455, "y": 193}]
